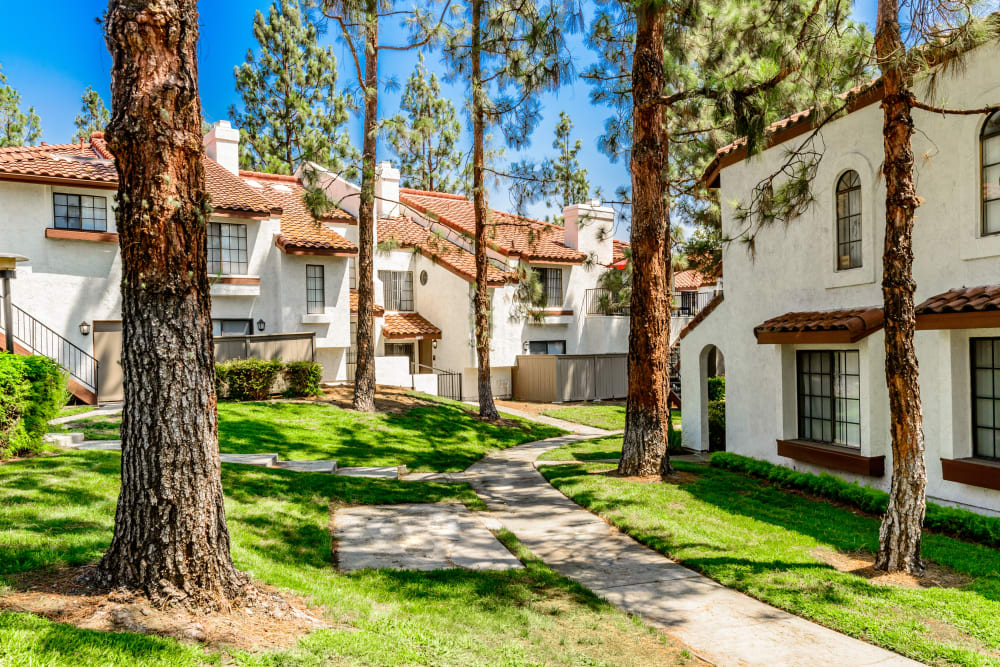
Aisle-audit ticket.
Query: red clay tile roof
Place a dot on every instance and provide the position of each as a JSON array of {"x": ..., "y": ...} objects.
[
  {"x": 618, "y": 250},
  {"x": 508, "y": 233},
  {"x": 407, "y": 326},
  {"x": 702, "y": 314},
  {"x": 300, "y": 233},
  {"x": 963, "y": 300},
  {"x": 850, "y": 325},
  {"x": 689, "y": 280},
  {"x": 379, "y": 310},
  {"x": 230, "y": 193},
  {"x": 411, "y": 234}
]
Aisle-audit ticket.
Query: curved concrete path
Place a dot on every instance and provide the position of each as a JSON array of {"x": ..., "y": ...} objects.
[{"x": 721, "y": 625}]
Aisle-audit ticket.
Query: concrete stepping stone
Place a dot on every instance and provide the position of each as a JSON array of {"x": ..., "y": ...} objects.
[
  {"x": 263, "y": 460},
  {"x": 309, "y": 466},
  {"x": 421, "y": 536},
  {"x": 64, "y": 439},
  {"x": 375, "y": 472}
]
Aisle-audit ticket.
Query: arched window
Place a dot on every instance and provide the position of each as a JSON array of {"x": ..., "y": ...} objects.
[
  {"x": 849, "y": 221},
  {"x": 989, "y": 141}
]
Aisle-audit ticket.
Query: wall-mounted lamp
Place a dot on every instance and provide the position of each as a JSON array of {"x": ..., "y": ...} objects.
[
  {"x": 84, "y": 328},
  {"x": 260, "y": 325},
  {"x": 434, "y": 344},
  {"x": 525, "y": 346}
]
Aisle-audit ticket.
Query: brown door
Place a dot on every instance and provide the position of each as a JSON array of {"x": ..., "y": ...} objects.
[{"x": 108, "y": 351}]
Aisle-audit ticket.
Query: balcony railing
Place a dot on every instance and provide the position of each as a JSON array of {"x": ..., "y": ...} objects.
[
  {"x": 689, "y": 304},
  {"x": 600, "y": 301}
]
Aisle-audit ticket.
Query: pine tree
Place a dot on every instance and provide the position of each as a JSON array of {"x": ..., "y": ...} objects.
[
  {"x": 426, "y": 138},
  {"x": 567, "y": 180},
  {"x": 170, "y": 539},
  {"x": 508, "y": 52},
  {"x": 17, "y": 128},
  {"x": 292, "y": 111},
  {"x": 94, "y": 116}
]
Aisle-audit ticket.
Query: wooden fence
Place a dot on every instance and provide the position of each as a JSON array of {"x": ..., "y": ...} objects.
[{"x": 563, "y": 378}]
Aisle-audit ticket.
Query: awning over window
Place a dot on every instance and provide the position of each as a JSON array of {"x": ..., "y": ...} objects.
[
  {"x": 379, "y": 310},
  {"x": 829, "y": 326},
  {"x": 409, "y": 326},
  {"x": 963, "y": 308}
]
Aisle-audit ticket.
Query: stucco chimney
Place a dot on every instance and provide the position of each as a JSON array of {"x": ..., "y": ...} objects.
[
  {"x": 589, "y": 229},
  {"x": 386, "y": 190},
  {"x": 222, "y": 144}
]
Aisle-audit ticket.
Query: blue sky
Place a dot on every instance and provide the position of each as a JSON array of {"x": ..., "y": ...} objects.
[{"x": 51, "y": 51}]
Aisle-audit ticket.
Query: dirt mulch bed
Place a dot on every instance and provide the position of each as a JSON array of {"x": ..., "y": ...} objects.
[
  {"x": 862, "y": 564},
  {"x": 274, "y": 622},
  {"x": 677, "y": 477},
  {"x": 539, "y": 408}
]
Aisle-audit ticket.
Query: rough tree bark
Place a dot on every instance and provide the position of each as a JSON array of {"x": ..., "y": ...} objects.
[
  {"x": 364, "y": 372},
  {"x": 487, "y": 409},
  {"x": 170, "y": 540},
  {"x": 645, "y": 443},
  {"x": 899, "y": 538}
]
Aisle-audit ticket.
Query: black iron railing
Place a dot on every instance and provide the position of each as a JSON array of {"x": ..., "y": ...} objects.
[
  {"x": 449, "y": 383},
  {"x": 37, "y": 338},
  {"x": 689, "y": 304},
  {"x": 601, "y": 301}
]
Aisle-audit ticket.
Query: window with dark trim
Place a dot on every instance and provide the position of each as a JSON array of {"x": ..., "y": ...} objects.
[
  {"x": 849, "y": 221},
  {"x": 227, "y": 249},
  {"x": 397, "y": 289},
  {"x": 989, "y": 149},
  {"x": 232, "y": 327},
  {"x": 315, "y": 289},
  {"x": 551, "y": 280},
  {"x": 86, "y": 212},
  {"x": 547, "y": 347},
  {"x": 829, "y": 396},
  {"x": 986, "y": 398}
]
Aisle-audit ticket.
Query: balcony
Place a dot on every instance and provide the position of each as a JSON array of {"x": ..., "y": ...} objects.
[{"x": 687, "y": 304}]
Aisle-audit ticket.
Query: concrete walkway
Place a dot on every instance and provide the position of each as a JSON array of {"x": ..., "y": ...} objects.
[{"x": 719, "y": 624}]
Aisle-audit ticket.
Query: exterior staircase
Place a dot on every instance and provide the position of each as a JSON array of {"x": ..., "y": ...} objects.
[{"x": 33, "y": 337}]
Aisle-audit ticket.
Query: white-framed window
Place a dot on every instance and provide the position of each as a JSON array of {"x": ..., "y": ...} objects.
[
  {"x": 989, "y": 149},
  {"x": 315, "y": 289},
  {"x": 397, "y": 289},
  {"x": 85, "y": 212},
  {"x": 849, "y": 221},
  {"x": 227, "y": 248},
  {"x": 551, "y": 280},
  {"x": 547, "y": 347},
  {"x": 829, "y": 396}
]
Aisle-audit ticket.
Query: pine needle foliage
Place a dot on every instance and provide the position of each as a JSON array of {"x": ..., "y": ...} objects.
[
  {"x": 94, "y": 116},
  {"x": 17, "y": 127}
]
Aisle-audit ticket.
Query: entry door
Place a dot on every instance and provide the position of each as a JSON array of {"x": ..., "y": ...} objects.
[{"x": 108, "y": 351}]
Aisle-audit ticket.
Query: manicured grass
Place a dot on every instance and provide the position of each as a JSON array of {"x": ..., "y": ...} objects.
[
  {"x": 609, "y": 416},
  {"x": 587, "y": 450},
  {"x": 759, "y": 539},
  {"x": 439, "y": 436},
  {"x": 71, "y": 410},
  {"x": 59, "y": 511}
]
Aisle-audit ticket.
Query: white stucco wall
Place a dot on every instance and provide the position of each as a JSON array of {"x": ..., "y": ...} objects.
[{"x": 794, "y": 270}]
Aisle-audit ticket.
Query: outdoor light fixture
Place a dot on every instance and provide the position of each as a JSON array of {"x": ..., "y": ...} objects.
[
  {"x": 525, "y": 346},
  {"x": 434, "y": 344},
  {"x": 260, "y": 325},
  {"x": 84, "y": 328}
]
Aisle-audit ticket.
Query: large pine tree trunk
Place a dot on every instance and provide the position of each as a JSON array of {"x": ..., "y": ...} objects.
[
  {"x": 899, "y": 538},
  {"x": 645, "y": 427},
  {"x": 170, "y": 539},
  {"x": 364, "y": 372},
  {"x": 487, "y": 409}
]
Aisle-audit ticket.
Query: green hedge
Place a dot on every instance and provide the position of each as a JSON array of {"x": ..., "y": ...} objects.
[
  {"x": 32, "y": 390},
  {"x": 254, "y": 379},
  {"x": 948, "y": 520},
  {"x": 717, "y": 425},
  {"x": 674, "y": 441},
  {"x": 717, "y": 388}
]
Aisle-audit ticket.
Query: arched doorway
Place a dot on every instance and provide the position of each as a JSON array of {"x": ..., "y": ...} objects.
[{"x": 713, "y": 395}]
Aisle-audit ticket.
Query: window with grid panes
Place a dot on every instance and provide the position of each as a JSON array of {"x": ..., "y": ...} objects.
[
  {"x": 551, "y": 280},
  {"x": 990, "y": 161},
  {"x": 237, "y": 327},
  {"x": 829, "y": 396},
  {"x": 986, "y": 398},
  {"x": 397, "y": 289},
  {"x": 84, "y": 212},
  {"x": 227, "y": 248},
  {"x": 849, "y": 221},
  {"x": 315, "y": 292}
]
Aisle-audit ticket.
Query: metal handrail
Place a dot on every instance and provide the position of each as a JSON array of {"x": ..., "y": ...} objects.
[
  {"x": 593, "y": 305},
  {"x": 38, "y": 338}
]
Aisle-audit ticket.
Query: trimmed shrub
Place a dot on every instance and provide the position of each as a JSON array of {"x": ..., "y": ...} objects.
[
  {"x": 717, "y": 388},
  {"x": 302, "y": 378},
  {"x": 248, "y": 379},
  {"x": 674, "y": 441},
  {"x": 717, "y": 425},
  {"x": 32, "y": 390},
  {"x": 948, "y": 520},
  {"x": 48, "y": 394}
]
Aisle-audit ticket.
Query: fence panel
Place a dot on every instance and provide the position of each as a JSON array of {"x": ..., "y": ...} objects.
[
  {"x": 287, "y": 347},
  {"x": 575, "y": 378},
  {"x": 611, "y": 376},
  {"x": 535, "y": 378}
]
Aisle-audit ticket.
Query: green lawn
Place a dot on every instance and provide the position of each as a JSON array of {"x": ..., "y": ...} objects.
[
  {"x": 754, "y": 537},
  {"x": 610, "y": 416},
  {"x": 59, "y": 511},
  {"x": 587, "y": 450},
  {"x": 439, "y": 436}
]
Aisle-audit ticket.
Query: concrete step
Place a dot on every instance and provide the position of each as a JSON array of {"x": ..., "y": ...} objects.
[
  {"x": 265, "y": 460},
  {"x": 64, "y": 439},
  {"x": 309, "y": 466},
  {"x": 375, "y": 472}
]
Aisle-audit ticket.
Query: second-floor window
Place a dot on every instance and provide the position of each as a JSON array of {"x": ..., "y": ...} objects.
[
  {"x": 829, "y": 393},
  {"x": 397, "y": 288},
  {"x": 315, "y": 289},
  {"x": 547, "y": 347},
  {"x": 551, "y": 280},
  {"x": 227, "y": 249},
  {"x": 849, "y": 221},
  {"x": 86, "y": 212},
  {"x": 990, "y": 154}
]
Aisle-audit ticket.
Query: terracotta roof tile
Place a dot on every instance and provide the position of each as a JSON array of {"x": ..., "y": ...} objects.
[
  {"x": 618, "y": 250},
  {"x": 411, "y": 234},
  {"x": 230, "y": 193},
  {"x": 300, "y": 232},
  {"x": 689, "y": 280},
  {"x": 702, "y": 314},
  {"x": 379, "y": 310},
  {"x": 963, "y": 300},
  {"x": 407, "y": 326},
  {"x": 850, "y": 325},
  {"x": 508, "y": 233}
]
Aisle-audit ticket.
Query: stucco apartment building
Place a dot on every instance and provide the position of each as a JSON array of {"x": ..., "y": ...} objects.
[
  {"x": 800, "y": 327},
  {"x": 276, "y": 271}
]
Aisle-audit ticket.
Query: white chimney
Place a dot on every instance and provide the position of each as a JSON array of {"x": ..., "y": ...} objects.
[
  {"x": 589, "y": 229},
  {"x": 222, "y": 144},
  {"x": 386, "y": 190}
]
